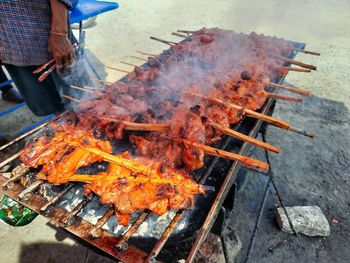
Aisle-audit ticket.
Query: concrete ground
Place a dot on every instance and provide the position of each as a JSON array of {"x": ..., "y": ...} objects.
[{"x": 308, "y": 172}]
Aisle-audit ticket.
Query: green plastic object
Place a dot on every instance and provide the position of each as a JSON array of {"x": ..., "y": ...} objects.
[{"x": 15, "y": 214}]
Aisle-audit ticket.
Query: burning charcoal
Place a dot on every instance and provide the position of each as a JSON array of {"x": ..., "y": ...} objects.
[{"x": 245, "y": 75}]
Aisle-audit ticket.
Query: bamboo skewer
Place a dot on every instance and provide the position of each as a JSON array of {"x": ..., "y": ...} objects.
[
  {"x": 283, "y": 97},
  {"x": 247, "y": 138},
  {"x": 292, "y": 89},
  {"x": 101, "y": 81},
  {"x": 306, "y": 51},
  {"x": 163, "y": 41},
  {"x": 140, "y": 168},
  {"x": 186, "y": 31},
  {"x": 139, "y": 58},
  {"x": 85, "y": 90},
  {"x": 118, "y": 69},
  {"x": 159, "y": 127},
  {"x": 129, "y": 64},
  {"x": 295, "y": 62},
  {"x": 179, "y": 35},
  {"x": 147, "y": 54},
  {"x": 92, "y": 178},
  {"x": 296, "y": 69},
  {"x": 71, "y": 98}
]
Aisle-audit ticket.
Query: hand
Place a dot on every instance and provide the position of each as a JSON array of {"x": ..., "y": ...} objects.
[{"x": 62, "y": 51}]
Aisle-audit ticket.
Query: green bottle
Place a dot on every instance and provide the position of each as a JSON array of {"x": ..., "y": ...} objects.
[{"x": 15, "y": 214}]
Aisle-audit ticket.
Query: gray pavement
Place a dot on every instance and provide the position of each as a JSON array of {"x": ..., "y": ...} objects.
[{"x": 309, "y": 172}]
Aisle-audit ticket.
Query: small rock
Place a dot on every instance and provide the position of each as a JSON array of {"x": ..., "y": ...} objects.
[
  {"x": 334, "y": 221},
  {"x": 307, "y": 220}
]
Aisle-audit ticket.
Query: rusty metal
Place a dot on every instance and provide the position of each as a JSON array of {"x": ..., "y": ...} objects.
[
  {"x": 69, "y": 220},
  {"x": 122, "y": 244},
  {"x": 56, "y": 197},
  {"x": 166, "y": 234},
  {"x": 17, "y": 172},
  {"x": 96, "y": 232},
  {"x": 27, "y": 193}
]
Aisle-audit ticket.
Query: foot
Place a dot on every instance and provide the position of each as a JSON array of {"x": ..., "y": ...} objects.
[{"x": 12, "y": 96}]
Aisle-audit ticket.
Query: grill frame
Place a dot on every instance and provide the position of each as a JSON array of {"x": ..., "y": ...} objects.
[{"x": 107, "y": 242}]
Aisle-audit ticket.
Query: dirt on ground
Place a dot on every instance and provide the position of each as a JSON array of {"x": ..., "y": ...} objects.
[{"x": 307, "y": 172}]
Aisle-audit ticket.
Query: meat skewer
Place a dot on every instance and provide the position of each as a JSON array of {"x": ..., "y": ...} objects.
[
  {"x": 247, "y": 161},
  {"x": 41, "y": 68},
  {"x": 130, "y": 64}
]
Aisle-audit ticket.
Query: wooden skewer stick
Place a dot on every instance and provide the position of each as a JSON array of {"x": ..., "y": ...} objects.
[
  {"x": 143, "y": 59},
  {"x": 295, "y": 62},
  {"x": 71, "y": 98},
  {"x": 186, "y": 31},
  {"x": 179, "y": 34},
  {"x": 247, "y": 161},
  {"x": 249, "y": 112},
  {"x": 163, "y": 41},
  {"x": 118, "y": 69},
  {"x": 247, "y": 138},
  {"x": 92, "y": 178},
  {"x": 91, "y": 88},
  {"x": 147, "y": 54},
  {"x": 292, "y": 89},
  {"x": 306, "y": 51},
  {"x": 102, "y": 81},
  {"x": 85, "y": 90},
  {"x": 129, "y": 64},
  {"x": 283, "y": 97},
  {"x": 10, "y": 159},
  {"x": 296, "y": 69}
]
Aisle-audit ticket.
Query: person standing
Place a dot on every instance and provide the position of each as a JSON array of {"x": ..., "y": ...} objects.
[{"x": 32, "y": 32}]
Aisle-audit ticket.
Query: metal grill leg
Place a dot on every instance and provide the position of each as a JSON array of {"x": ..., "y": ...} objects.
[{"x": 271, "y": 181}]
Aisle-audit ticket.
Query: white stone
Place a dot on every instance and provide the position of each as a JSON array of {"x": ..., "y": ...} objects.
[{"x": 307, "y": 220}]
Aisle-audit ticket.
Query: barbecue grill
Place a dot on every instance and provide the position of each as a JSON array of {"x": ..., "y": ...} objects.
[{"x": 179, "y": 234}]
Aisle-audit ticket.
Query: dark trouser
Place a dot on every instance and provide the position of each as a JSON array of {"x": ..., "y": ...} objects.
[
  {"x": 43, "y": 98},
  {"x": 3, "y": 78}
]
